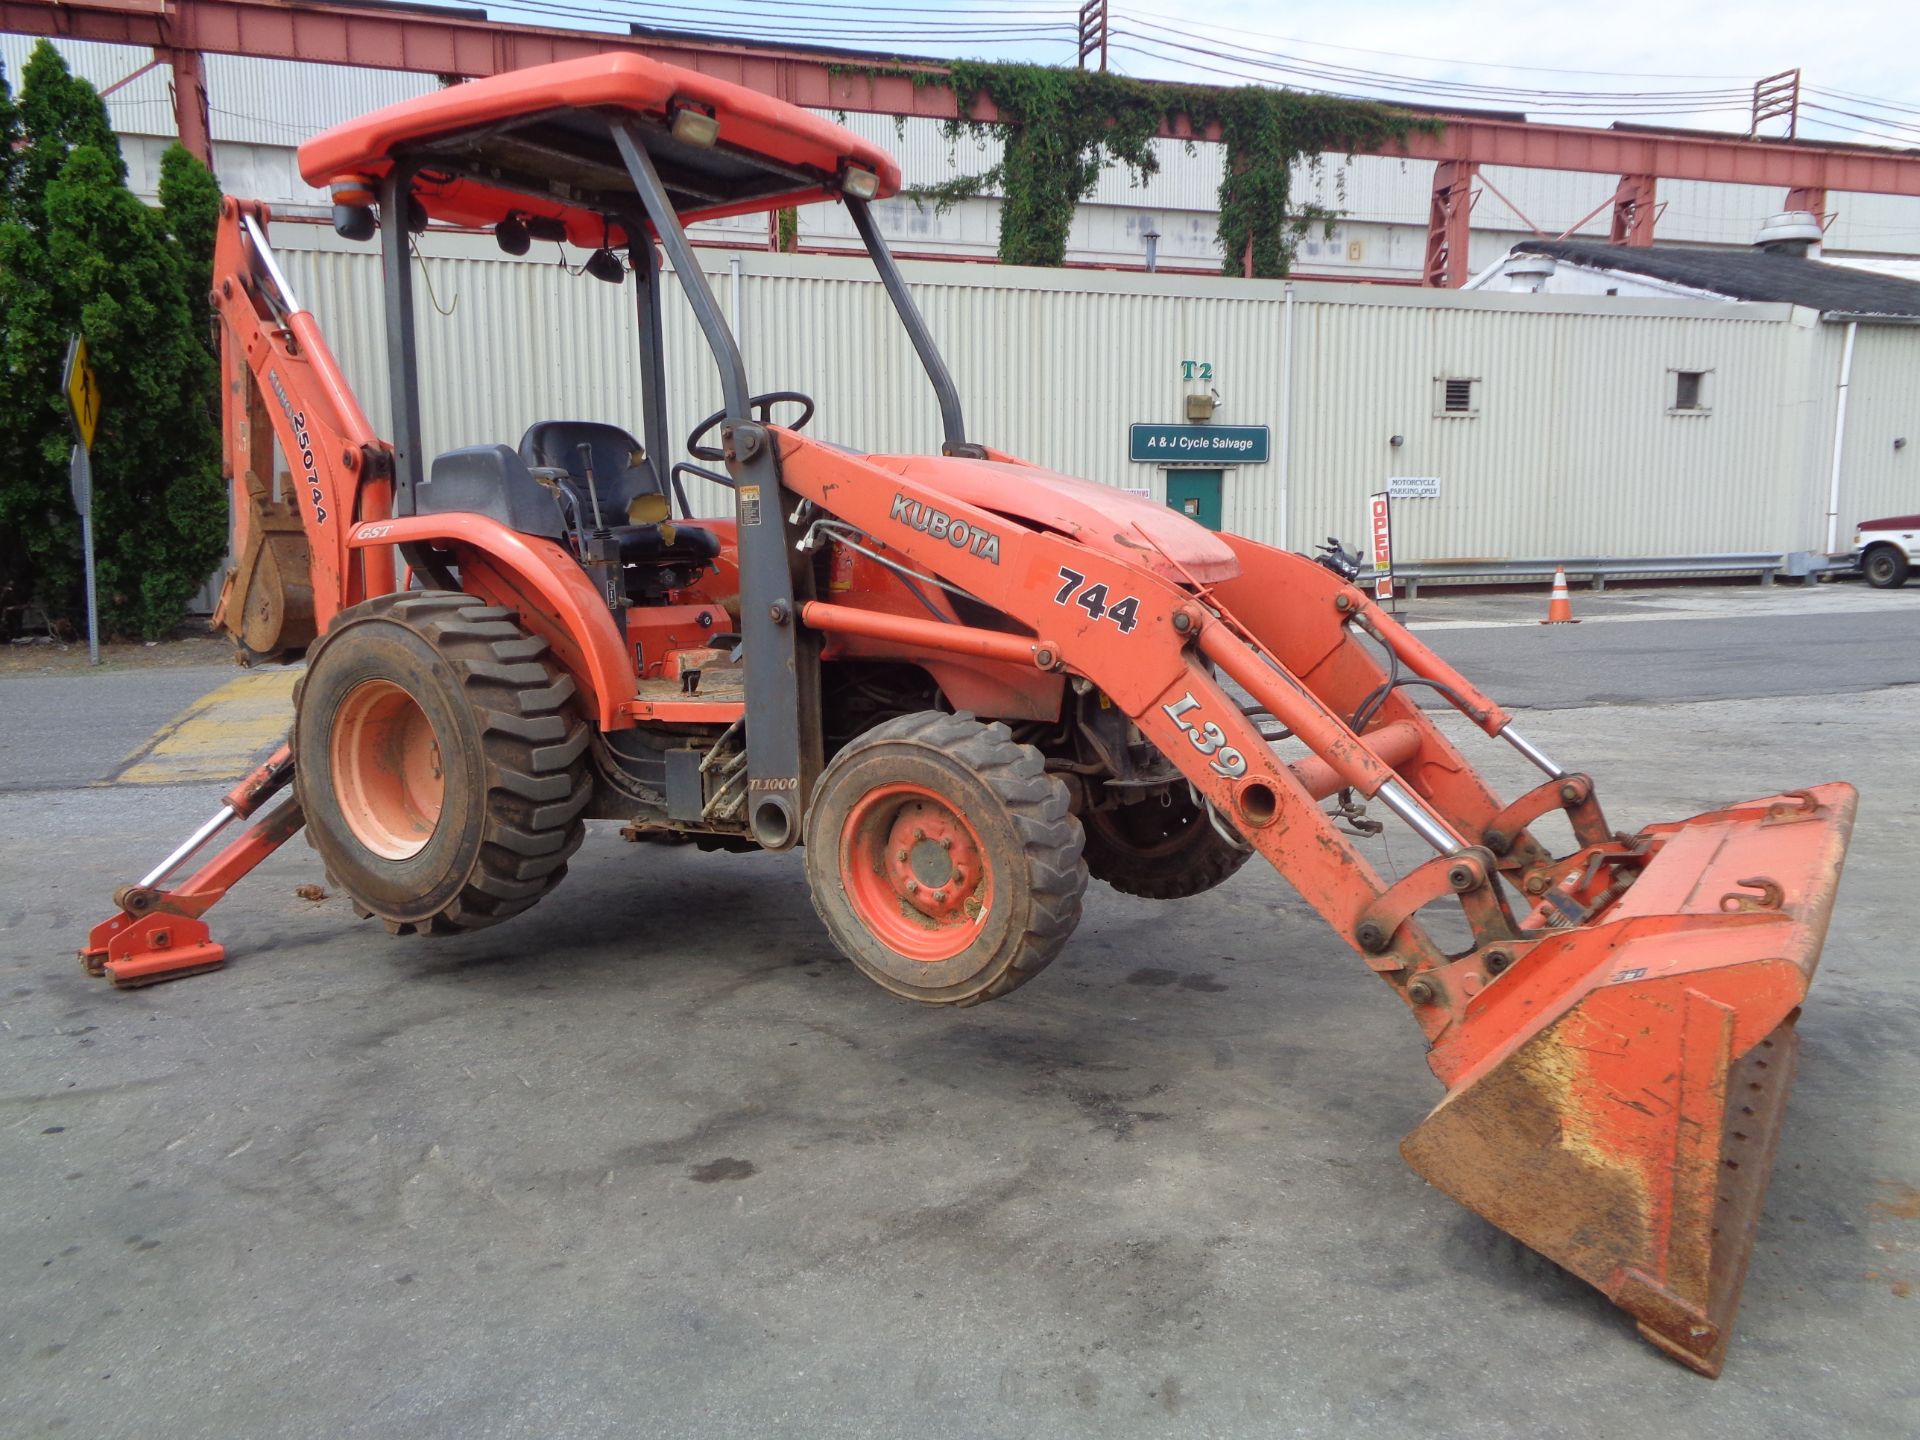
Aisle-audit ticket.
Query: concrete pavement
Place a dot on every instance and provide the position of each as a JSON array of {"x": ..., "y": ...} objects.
[{"x": 653, "y": 1161}]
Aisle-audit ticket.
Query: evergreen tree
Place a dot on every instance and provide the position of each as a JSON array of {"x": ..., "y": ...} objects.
[
  {"x": 9, "y": 140},
  {"x": 190, "y": 201},
  {"x": 80, "y": 253}
]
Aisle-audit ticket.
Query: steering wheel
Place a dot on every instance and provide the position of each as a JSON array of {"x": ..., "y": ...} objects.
[{"x": 759, "y": 407}]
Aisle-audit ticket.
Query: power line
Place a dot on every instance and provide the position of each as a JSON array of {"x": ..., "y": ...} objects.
[
  {"x": 1240, "y": 35},
  {"x": 1872, "y": 101},
  {"x": 1267, "y": 59},
  {"x": 1892, "y": 107},
  {"x": 881, "y": 18},
  {"x": 957, "y": 24},
  {"x": 1855, "y": 134},
  {"x": 890, "y": 11},
  {"x": 1358, "y": 87},
  {"x": 1870, "y": 119}
]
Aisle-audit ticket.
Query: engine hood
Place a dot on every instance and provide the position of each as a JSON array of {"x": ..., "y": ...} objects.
[{"x": 1128, "y": 527}]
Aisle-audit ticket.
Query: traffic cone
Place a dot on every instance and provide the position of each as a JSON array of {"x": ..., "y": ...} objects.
[{"x": 1560, "y": 606}]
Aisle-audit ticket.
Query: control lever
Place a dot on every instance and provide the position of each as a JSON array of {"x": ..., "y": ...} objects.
[
  {"x": 599, "y": 552},
  {"x": 585, "y": 452}
]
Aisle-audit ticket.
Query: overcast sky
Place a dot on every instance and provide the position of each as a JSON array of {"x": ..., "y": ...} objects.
[{"x": 1863, "y": 47}]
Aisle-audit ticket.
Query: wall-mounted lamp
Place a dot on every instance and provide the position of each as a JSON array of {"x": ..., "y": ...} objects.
[
  {"x": 1899, "y": 442},
  {"x": 1396, "y": 441}
]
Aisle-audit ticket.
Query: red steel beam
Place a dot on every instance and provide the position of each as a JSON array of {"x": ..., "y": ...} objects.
[
  {"x": 455, "y": 45},
  {"x": 1634, "y": 211},
  {"x": 190, "y": 115},
  {"x": 1448, "y": 224}
]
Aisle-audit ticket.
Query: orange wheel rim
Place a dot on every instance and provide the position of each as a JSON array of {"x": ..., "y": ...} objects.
[
  {"x": 386, "y": 769},
  {"x": 915, "y": 872}
]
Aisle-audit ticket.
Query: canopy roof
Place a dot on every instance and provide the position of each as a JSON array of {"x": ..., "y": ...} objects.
[{"x": 535, "y": 142}]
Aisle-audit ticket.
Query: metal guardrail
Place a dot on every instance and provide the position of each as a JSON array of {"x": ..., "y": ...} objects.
[{"x": 1798, "y": 564}]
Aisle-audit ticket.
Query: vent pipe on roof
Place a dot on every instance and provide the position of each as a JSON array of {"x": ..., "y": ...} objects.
[
  {"x": 1793, "y": 232},
  {"x": 1528, "y": 274}
]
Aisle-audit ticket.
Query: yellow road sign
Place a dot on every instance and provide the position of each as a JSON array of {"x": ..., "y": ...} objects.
[{"x": 83, "y": 391}]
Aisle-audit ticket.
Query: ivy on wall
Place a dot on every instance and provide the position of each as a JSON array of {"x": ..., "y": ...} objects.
[
  {"x": 1266, "y": 131},
  {"x": 1059, "y": 128}
]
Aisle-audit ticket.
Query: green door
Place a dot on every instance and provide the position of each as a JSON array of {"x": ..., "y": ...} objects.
[{"x": 1195, "y": 494}]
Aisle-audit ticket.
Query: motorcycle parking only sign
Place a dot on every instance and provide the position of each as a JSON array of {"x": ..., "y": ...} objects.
[{"x": 1414, "y": 487}]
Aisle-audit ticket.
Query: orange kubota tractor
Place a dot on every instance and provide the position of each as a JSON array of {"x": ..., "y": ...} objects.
[{"x": 966, "y": 683}]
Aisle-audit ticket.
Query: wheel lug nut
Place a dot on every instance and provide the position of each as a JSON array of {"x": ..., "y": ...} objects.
[
  {"x": 913, "y": 887},
  {"x": 946, "y": 844},
  {"x": 918, "y": 833},
  {"x": 939, "y": 897},
  {"x": 901, "y": 856}
]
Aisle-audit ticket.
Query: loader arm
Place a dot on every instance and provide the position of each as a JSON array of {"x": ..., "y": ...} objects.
[
  {"x": 1156, "y": 662},
  {"x": 294, "y": 568},
  {"x": 1617, "y": 1040}
]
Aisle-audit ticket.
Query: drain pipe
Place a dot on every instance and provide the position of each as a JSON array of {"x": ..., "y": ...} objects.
[
  {"x": 1840, "y": 439},
  {"x": 1286, "y": 411}
]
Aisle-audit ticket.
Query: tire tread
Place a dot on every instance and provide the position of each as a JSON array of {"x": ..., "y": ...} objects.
[
  {"x": 534, "y": 747},
  {"x": 1038, "y": 806}
]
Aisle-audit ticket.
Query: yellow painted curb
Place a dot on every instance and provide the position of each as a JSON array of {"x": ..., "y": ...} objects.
[{"x": 218, "y": 737}]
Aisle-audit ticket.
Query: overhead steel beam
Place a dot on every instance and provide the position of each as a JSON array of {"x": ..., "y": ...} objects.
[
  {"x": 468, "y": 45},
  {"x": 453, "y": 44}
]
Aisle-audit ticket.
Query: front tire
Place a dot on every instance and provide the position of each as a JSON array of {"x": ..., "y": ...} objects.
[
  {"x": 439, "y": 761},
  {"x": 943, "y": 858},
  {"x": 1885, "y": 567}
]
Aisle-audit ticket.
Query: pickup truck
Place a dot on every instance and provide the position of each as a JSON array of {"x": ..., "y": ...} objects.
[{"x": 1886, "y": 550}]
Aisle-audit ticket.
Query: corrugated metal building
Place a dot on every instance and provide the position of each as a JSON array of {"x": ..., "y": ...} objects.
[
  {"x": 1570, "y": 443},
  {"x": 262, "y": 109}
]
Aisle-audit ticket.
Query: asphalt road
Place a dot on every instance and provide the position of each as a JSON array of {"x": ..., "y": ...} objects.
[
  {"x": 1652, "y": 646},
  {"x": 653, "y": 1161}
]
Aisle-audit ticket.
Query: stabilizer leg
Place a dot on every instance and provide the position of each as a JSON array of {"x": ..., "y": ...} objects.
[{"x": 157, "y": 934}]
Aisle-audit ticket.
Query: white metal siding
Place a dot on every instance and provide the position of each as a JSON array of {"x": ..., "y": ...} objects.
[
  {"x": 1573, "y": 451},
  {"x": 1883, "y": 406}
]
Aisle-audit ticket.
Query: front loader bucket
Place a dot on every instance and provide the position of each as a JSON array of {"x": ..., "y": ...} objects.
[{"x": 1615, "y": 1100}]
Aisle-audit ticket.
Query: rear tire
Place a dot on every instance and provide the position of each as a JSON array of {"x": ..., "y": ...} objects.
[
  {"x": 1159, "y": 852},
  {"x": 1885, "y": 567},
  {"x": 439, "y": 761},
  {"x": 943, "y": 858}
]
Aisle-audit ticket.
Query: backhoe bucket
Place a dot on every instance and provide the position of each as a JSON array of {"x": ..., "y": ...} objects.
[{"x": 1614, "y": 1101}]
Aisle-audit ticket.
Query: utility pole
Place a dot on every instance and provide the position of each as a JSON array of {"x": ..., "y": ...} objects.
[
  {"x": 1775, "y": 97},
  {"x": 1093, "y": 33}
]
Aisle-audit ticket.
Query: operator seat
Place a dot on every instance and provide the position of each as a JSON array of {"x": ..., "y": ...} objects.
[{"x": 621, "y": 474}]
